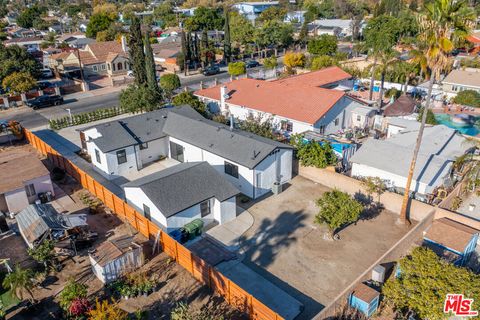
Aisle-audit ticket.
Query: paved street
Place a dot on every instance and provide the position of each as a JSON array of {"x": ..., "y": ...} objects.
[{"x": 86, "y": 102}]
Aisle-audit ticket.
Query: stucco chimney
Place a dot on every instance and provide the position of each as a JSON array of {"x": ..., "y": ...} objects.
[
  {"x": 223, "y": 97},
  {"x": 124, "y": 44}
]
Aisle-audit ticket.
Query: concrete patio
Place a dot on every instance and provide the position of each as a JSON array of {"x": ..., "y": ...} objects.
[{"x": 230, "y": 232}]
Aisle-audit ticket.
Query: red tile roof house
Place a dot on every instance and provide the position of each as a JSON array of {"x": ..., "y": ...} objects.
[{"x": 297, "y": 104}]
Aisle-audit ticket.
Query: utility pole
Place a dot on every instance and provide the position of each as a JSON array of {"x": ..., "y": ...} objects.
[{"x": 80, "y": 64}]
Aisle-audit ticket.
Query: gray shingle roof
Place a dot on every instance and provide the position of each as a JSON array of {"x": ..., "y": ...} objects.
[
  {"x": 183, "y": 186},
  {"x": 440, "y": 146},
  {"x": 131, "y": 131},
  {"x": 185, "y": 124}
]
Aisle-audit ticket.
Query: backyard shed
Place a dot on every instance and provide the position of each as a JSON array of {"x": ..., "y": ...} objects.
[
  {"x": 114, "y": 258},
  {"x": 364, "y": 299},
  {"x": 452, "y": 240},
  {"x": 40, "y": 221}
]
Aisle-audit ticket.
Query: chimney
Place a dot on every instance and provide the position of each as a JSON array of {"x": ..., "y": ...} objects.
[
  {"x": 231, "y": 122},
  {"x": 124, "y": 44},
  {"x": 223, "y": 97}
]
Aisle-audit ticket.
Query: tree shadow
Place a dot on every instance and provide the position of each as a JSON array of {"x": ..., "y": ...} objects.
[
  {"x": 271, "y": 237},
  {"x": 371, "y": 208}
]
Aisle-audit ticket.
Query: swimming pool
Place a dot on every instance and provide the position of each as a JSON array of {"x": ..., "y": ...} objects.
[{"x": 472, "y": 128}]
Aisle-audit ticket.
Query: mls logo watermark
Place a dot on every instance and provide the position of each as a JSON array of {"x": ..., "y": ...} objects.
[{"x": 459, "y": 306}]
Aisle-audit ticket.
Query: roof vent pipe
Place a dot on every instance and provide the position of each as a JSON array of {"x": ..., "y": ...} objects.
[{"x": 231, "y": 122}]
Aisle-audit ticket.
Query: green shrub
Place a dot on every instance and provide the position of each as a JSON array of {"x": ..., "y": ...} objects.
[
  {"x": 236, "y": 68},
  {"x": 71, "y": 291}
]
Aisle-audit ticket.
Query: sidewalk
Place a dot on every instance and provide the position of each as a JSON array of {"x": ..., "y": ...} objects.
[{"x": 94, "y": 93}]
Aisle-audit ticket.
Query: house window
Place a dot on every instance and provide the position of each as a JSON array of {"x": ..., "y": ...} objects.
[
  {"x": 121, "y": 156},
  {"x": 144, "y": 146},
  {"x": 359, "y": 118},
  {"x": 287, "y": 126},
  {"x": 95, "y": 68},
  {"x": 336, "y": 122},
  {"x": 97, "y": 156},
  {"x": 205, "y": 208},
  {"x": 322, "y": 130},
  {"x": 125, "y": 64},
  {"x": 30, "y": 190},
  {"x": 231, "y": 169},
  {"x": 176, "y": 151},
  {"x": 108, "y": 66},
  {"x": 146, "y": 212},
  {"x": 103, "y": 66},
  {"x": 119, "y": 66}
]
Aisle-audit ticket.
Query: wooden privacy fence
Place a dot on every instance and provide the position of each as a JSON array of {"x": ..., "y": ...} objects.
[{"x": 201, "y": 270}]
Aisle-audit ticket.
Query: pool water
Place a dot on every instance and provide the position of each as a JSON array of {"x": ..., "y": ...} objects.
[{"x": 471, "y": 129}]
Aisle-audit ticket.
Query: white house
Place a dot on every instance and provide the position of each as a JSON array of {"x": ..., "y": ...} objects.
[
  {"x": 390, "y": 159},
  {"x": 251, "y": 10},
  {"x": 300, "y": 103},
  {"x": 22, "y": 178},
  {"x": 460, "y": 80},
  {"x": 180, "y": 194},
  {"x": 346, "y": 26},
  {"x": 250, "y": 162}
]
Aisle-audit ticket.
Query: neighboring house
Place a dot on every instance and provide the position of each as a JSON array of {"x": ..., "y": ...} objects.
[
  {"x": 22, "y": 178},
  {"x": 75, "y": 40},
  {"x": 251, "y": 10},
  {"x": 345, "y": 26},
  {"x": 29, "y": 43},
  {"x": 390, "y": 159},
  {"x": 250, "y": 162},
  {"x": 404, "y": 106},
  {"x": 38, "y": 222},
  {"x": 296, "y": 104},
  {"x": 108, "y": 58},
  {"x": 113, "y": 259},
  {"x": 396, "y": 125},
  {"x": 362, "y": 117},
  {"x": 460, "y": 80},
  {"x": 474, "y": 39},
  {"x": 451, "y": 240},
  {"x": 295, "y": 17},
  {"x": 166, "y": 53},
  {"x": 180, "y": 194}
]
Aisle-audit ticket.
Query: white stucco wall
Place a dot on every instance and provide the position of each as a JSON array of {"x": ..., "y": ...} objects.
[
  {"x": 361, "y": 170},
  {"x": 219, "y": 211},
  {"x": 245, "y": 176},
  {"x": 156, "y": 148},
  {"x": 277, "y": 166},
  {"x": 137, "y": 198},
  {"x": 17, "y": 199},
  {"x": 109, "y": 163}
]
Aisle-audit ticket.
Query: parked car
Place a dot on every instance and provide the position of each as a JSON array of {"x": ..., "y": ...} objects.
[
  {"x": 251, "y": 64},
  {"x": 46, "y": 73},
  {"x": 45, "y": 101},
  {"x": 211, "y": 70}
]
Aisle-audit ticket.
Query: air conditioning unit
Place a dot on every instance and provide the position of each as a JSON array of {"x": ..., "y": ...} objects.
[
  {"x": 277, "y": 188},
  {"x": 378, "y": 274}
]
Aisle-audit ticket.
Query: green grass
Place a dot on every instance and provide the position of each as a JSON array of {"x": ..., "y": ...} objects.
[{"x": 9, "y": 300}]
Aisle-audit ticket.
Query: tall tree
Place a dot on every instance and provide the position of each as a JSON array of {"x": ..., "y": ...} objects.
[
  {"x": 137, "y": 55},
  {"x": 19, "y": 281},
  {"x": 227, "y": 46},
  {"x": 386, "y": 61},
  {"x": 150, "y": 68},
  {"x": 442, "y": 23},
  {"x": 381, "y": 33}
]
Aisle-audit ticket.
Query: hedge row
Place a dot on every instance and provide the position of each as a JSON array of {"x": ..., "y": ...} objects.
[{"x": 82, "y": 118}]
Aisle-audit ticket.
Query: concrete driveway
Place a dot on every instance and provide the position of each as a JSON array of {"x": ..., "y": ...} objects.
[{"x": 231, "y": 232}]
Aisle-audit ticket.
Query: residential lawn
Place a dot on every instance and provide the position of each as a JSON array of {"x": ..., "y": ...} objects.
[{"x": 8, "y": 299}]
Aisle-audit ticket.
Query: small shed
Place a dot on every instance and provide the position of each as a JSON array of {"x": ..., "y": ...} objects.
[
  {"x": 364, "y": 299},
  {"x": 114, "y": 258},
  {"x": 403, "y": 106},
  {"x": 452, "y": 240}
]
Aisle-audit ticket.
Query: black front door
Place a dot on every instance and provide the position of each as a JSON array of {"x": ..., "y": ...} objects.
[{"x": 176, "y": 151}]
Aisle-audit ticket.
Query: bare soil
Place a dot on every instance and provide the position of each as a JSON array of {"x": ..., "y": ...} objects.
[{"x": 176, "y": 284}]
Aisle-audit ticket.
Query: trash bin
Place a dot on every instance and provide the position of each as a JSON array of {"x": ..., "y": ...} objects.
[{"x": 194, "y": 228}]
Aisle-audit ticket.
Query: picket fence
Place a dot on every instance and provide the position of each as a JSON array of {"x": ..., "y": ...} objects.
[{"x": 201, "y": 270}]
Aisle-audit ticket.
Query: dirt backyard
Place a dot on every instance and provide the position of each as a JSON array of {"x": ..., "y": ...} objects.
[{"x": 175, "y": 284}]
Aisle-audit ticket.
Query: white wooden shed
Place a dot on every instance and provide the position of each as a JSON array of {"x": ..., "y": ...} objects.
[{"x": 114, "y": 258}]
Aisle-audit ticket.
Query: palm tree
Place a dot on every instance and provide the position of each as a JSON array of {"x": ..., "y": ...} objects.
[
  {"x": 387, "y": 60},
  {"x": 441, "y": 24},
  {"x": 19, "y": 281}
]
